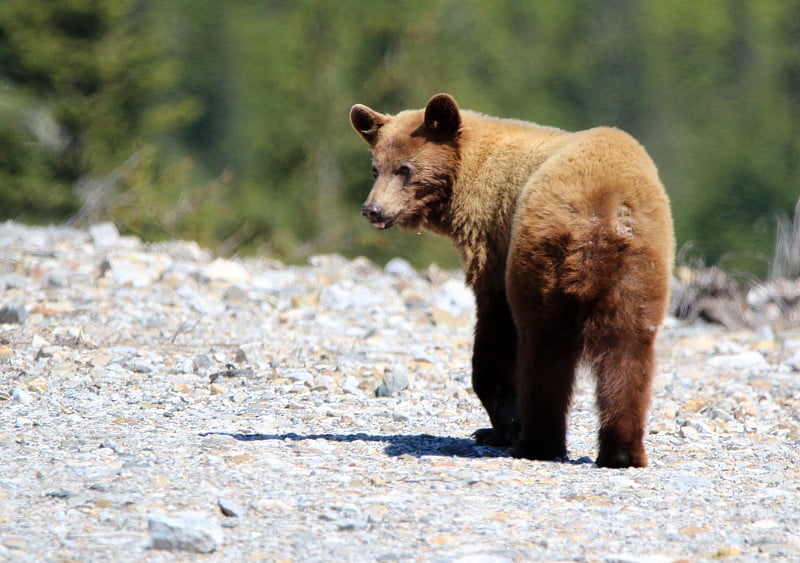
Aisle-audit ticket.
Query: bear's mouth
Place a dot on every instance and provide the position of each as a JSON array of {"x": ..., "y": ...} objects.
[
  {"x": 383, "y": 224},
  {"x": 375, "y": 215}
]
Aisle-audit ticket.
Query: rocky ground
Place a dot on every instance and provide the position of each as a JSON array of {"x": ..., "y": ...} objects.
[{"x": 156, "y": 403}]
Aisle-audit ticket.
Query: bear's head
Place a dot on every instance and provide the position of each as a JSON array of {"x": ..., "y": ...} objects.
[{"x": 415, "y": 162}]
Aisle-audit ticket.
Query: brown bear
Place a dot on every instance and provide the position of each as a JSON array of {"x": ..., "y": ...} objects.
[{"x": 567, "y": 242}]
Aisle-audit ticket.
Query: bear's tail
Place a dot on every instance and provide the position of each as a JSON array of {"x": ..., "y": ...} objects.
[{"x": 593, "y": 263}]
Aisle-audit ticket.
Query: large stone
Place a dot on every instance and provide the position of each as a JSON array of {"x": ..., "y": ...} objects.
[{"x": 184, "y": 531}]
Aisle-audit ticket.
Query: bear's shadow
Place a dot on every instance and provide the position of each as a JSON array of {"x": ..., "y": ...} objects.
[{"x": 416, "y": 445}]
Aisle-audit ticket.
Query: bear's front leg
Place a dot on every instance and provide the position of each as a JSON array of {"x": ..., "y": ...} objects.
[{"x": 493, "y": 361}]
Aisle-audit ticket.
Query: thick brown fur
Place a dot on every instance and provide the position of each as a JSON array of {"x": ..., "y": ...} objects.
[{"x": 567, "y": 242}]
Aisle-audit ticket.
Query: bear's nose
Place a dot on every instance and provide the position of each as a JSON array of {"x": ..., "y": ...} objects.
[{"x": 372, "y": 212}]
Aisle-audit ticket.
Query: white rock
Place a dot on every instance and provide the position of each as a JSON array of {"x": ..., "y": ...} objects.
[
  {"x": 37, "y": 343},
  {"x": 794, "y": 361},
  {"x": 350, "y": 385},
  {"x": 137, "y": 269},
  {"x": 455, "y": 298},
  {"x": 13, "y": 281},
  {"x": 689, "y": 433},
  {"x": 751, "y": 360},
  {"x": 647, "y": 558},
  {"x": 225, "y": 270},
  {"x": 348, "y": 295},
  {"x": 104, "y": 235},
  {"x": 21, "y": 396},
  {"x": 688, "y": 481},
  {"x": 729, "y": 347},
  {"x": 22, "y": 422},
  {"x": 184, "y": 531},
  {"x": 400, "y": 268}
]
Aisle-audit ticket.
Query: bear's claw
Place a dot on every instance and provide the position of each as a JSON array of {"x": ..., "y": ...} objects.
[{"x": 491, "y": 437}]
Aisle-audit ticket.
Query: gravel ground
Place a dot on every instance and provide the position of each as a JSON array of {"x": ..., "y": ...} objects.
[{"x": 156, "y": 403}]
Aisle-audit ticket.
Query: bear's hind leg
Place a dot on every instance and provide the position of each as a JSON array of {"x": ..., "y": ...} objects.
[
  {"x": 493, "y": 360},
  {"x": 547, "y": 359},
  {"x": 624, "y": 369}
]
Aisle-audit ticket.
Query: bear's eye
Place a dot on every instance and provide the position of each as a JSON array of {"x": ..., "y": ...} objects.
[
  {"x": 404, "y": 171},
  {"x": 374, "y": 172}
]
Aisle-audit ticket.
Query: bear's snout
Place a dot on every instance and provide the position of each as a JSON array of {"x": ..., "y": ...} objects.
[{"x": 374, "y": 214}]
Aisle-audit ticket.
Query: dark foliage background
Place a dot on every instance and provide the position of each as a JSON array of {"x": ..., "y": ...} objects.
[{"x": 226, "y": 122}]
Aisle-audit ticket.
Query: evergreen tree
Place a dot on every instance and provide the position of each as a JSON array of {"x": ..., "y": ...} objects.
[{"x": 93, "y": 83}]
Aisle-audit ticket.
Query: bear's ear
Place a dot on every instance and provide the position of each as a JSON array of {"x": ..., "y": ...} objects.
[
  {"x": 367, "y": 122},
  {"x": 442, "y": 115}
]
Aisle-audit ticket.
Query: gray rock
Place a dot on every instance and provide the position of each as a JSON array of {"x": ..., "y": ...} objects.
[
  {"x": 203, "y": 363},
  {"x": 396, "y": 378},
  {"x": 13, "y": 314},
  {"x": 47, "y": 352},
  {"x": 252, "y": 353},
  {"x": 123, "y": 350},
  {"x": 139, "y": 366},
  {"x": 230, "y": 507},
  {"x": 236, "y": 293},
  {"x": 184, "y": 365},
  {"x": 184, "y": 531},
  {"x": 57, "y": 278}
]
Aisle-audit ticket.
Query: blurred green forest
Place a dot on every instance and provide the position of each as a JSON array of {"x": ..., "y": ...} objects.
[{"x": 227, "y": 122}]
